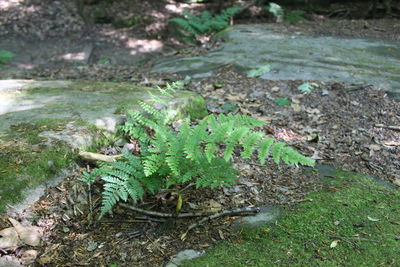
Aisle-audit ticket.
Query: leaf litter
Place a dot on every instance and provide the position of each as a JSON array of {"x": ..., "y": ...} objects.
[{"x": 349, "y": 130}]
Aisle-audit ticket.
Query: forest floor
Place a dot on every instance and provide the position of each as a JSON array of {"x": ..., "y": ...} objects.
[{"x": 351, "y": 128}]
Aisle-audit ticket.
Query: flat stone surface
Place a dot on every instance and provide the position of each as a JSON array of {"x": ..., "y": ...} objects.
[
  {"x": 298, "y": 57},
  {"x": 96, "y": 103}
]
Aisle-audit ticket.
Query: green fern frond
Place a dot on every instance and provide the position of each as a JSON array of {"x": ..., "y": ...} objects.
[
  {"x": 174, "y": 164},
  {"x": 206, "y": 22},
  {"x": 122, "y": 180},
  {"x": 151, "y": 110},
  {"x": 233, "y": 140},
  {"x": 135, "y": 189},
  {"x": 210, "y": 150},
  {"x": 194, "y": 141},
  {"x": 277, "y": 150},
  {"x": 189, "y": 175},
  {"x": 264, "y": 149},
  {"x": 152, "y": 163},
  {"x": 249, "y": 143},
  {"x": 171, "y": 156},
  {"x": 216, "y": 173}
]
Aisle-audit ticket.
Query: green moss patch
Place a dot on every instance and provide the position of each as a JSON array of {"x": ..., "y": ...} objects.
[
  {"x": 353, "y": 221},
  {"x": 26, "y": 161}
]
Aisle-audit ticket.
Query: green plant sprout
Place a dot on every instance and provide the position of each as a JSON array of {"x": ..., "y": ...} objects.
[{"x": 306, "y": 88}]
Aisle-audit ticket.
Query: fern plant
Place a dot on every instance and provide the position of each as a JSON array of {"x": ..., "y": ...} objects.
[
  {"x": 205, "y": 23},
  {"x": 200, "y": 153}
]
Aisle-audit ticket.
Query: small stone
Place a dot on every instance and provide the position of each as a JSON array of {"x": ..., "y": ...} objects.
[
  {"x": 187, "y": 254},
  {"x": 374, "y": 147}
]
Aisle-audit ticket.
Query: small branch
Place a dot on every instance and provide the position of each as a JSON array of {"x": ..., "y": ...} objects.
[
  {"x": 165, "y": 215},
  {"x": 187, "y": 187},
  {"x": 100, "y": 157},
  {"x": 236, "y": 212},
  {"x": 233, "y": 212},
  {"x": 390, "y": 127}
]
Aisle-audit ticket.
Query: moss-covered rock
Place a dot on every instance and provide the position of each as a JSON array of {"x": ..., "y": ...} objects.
[{"x": 42, "y": 124}]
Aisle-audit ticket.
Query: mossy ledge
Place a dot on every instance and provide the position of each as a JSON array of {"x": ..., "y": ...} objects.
[
  {"x": 352, "y": 221},
  {"x": 42, "y": 123},
  {"x": 27, "y": 161}
]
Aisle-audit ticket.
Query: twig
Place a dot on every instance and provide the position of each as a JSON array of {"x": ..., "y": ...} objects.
[
  {"x": 390, "y": 127},
  {"x": 234, "y": 212},
  {"x": 165, "y": 215},
  {"x": 187, "y": 187},
  {"x": 147, "y": 218},
  {"x": 100, "y": 157},
  {"x": 155, "y": 245}
]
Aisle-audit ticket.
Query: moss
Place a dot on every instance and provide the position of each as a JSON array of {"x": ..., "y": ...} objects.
[
  {"x": 195, "y": 108},
  {"x": 353, "y": 221},
  {"x": 27, "y": 162}
]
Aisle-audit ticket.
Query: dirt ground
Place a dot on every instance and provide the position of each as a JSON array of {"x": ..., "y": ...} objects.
[{"x": 347, "y": 126}]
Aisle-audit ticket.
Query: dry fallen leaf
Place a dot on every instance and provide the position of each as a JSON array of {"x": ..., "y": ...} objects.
[
  {"x": 28, "y": 235},
  {"x": 9, "y": 239},
  {"x": 10, "y": 261},
  {"x": 334, "y": 243},
  {"x": 211, "y": 206},
  {"x": 372, "y": 219},
  {"x": 392, "y": 143},
  {"x": 29, "y": 256}
]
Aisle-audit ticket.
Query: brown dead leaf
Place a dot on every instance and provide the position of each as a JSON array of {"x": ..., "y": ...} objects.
[
  {"x": 29, "y": 256},
  {"x": 29, "y": 235},
  {"x": 211, "y": 206},
  {"x": 9, "y": 239},
  {"x": 236, "y": 97}
]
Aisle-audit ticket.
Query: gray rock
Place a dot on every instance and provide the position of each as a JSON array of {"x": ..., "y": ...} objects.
[
  {"x": 266, "y": 214},
  {"x": 187, "y": 254},
  {"x": 298, "y": 57}
]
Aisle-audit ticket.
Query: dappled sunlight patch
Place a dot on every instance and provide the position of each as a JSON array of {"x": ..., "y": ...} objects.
[
  {"x": 144, "y": 46},
  {"x": 13, "y": 105},
  {"x": 108, "y": 123},
  {"x": 6, "y": 5},
  {"x": 287, "y": 135},
  {"x": 74, "y": 56}
]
